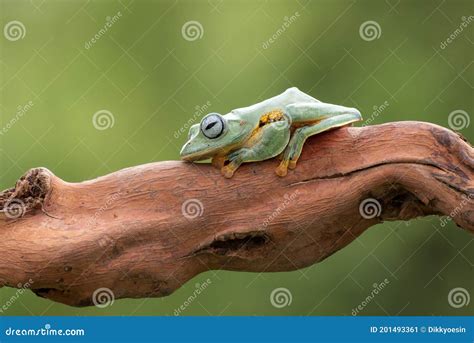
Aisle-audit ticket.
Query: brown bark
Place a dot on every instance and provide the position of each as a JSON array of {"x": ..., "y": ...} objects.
[{"x": 135, "y": 232}]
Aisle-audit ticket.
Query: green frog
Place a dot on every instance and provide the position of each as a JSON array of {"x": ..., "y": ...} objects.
[{"x": 279, "y": 125}]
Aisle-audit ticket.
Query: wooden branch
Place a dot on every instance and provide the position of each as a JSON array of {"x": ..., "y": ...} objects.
[{"x": 146, "y": 230}]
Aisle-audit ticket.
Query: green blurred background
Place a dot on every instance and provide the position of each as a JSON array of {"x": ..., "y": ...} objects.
[{"x": 151, "y": 80}]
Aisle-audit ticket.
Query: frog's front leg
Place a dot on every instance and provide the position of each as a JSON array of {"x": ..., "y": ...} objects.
[
  {"x": 318, "y": 118},
  {"x": 235, "y": 160},
  {"x": 218, "y": 161},
  {"x": 266, "y": 142}
]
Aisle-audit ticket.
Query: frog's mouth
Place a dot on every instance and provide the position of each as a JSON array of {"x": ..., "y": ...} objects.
[
  {"x": 187, "y": 153},
  {"x": 198, "y": 152}
]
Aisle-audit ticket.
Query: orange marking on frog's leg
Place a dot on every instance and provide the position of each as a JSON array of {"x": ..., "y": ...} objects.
[
  {"x": 229, "y": 170},
  {"x": 293, "y": 160},
  {"x": 282, "y": 169},
  {"x": 292, "y": 163},
  {"x": 218, "y": 161}
]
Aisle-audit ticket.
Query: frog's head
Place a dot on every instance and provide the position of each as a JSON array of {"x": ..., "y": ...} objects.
[{"x": 215, "y": 135}]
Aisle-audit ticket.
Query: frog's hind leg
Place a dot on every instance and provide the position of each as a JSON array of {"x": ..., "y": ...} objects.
[{"x": 295, "y": 146}]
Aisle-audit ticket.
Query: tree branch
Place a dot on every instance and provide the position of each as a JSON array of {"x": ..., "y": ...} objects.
[{"x": 146, "y": 230}]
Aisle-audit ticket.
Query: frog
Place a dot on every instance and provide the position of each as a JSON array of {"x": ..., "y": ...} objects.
[{"x": 278, "y": 126}]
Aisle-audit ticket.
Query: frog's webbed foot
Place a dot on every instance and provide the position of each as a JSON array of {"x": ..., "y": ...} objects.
[
  {"x": 282, "y": 169},
  {"x": 284, "y": 165},
  {"x": 228, "y": 171},
  {"x": 292, "y": 163},
  {"x": 235, "y": 160}
]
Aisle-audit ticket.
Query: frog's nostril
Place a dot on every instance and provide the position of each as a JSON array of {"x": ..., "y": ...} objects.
[{"x": 184, "y": 150}]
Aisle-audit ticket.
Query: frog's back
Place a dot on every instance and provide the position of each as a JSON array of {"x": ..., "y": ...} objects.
[{"x": 290, "y": 96}]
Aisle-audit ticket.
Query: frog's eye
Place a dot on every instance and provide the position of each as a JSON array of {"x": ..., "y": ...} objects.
[{"x": 212, "y": 125}]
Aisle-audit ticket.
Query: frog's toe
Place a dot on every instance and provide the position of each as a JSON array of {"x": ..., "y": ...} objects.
[
  {"x": 282, "y": 169},
  {"x": 227, "y": 172},
  {"x": 292, "y": 164}
]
